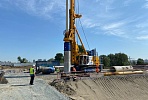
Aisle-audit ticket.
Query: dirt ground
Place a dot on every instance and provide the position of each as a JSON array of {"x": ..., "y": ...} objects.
[
  {"x": 99, "y": 87},
  {"x": 123, "y": 87}
]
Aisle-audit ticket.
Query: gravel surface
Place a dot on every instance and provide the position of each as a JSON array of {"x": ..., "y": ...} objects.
[{"x": 18, "y": 88}]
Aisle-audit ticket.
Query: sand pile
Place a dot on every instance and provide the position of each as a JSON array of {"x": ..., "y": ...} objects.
[
  {"x": 2, "y": 78},
  {"x": 63, "y": 87}
]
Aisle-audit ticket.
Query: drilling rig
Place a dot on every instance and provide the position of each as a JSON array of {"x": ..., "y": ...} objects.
[{"x": 72, "y": 55}]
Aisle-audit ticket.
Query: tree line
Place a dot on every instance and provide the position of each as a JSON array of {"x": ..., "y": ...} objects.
[
  {"x": 58, "y": 57},
  {"x": 117, "y": 59}
]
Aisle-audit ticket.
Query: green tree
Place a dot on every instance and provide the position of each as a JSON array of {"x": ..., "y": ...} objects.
[
  {"x": 112, "y": 59},
  {"x": 105, "y": 60},
  {"x": 59, "y": 57},
  {"x": 140, "y": 61},
  {"x": 119, "y": 59},
  {"x": 24, "y": 60},
  {"x": 51, "y": 59},
  {"x": 19, "y": 59}
]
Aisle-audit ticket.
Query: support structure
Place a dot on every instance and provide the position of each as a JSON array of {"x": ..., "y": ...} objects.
[{"x": 67, "y": 48}]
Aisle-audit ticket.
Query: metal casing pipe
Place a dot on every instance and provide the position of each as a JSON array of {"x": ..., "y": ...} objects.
[
  {"x": 67, "y": 57},
  {"x": 120, "y": 68},
  {"x": 123, "y": 73}
]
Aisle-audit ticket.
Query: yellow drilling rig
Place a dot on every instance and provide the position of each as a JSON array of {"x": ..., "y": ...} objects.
[{"x": 83, "y": 59}]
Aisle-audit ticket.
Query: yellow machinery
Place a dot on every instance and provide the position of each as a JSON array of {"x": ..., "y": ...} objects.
[
  {"x": 80, "y": 59},
  {"x": 123, "y": 73}
]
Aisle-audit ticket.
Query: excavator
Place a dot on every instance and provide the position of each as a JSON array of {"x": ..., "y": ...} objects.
[{"x": 80, "y": 59}]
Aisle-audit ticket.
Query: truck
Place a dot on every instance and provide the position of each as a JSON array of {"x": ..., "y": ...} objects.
[{"x": 46, "y": 67}]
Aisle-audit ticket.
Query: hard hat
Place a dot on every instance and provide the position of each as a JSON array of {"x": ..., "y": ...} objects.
[{"x": 33, "y": 65}]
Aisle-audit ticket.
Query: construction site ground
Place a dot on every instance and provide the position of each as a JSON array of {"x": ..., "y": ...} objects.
[
  {"x": 18, "y": 88},
  {"x": 96, "y": 87}
]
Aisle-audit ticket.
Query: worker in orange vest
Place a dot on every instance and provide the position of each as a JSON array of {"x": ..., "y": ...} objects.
[
  {"x": 73, "y": 69},
  {"x": 97, "y": 68}
]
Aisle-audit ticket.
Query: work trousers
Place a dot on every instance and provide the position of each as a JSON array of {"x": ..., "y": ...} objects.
[{"x": 31, "y": 79}]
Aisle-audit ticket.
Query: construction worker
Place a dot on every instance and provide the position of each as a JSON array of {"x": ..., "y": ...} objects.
[
  {"x": 73, "y": 69},
  {"x": 97, "y": 68},
  {"x": 32, "y": 74},
  {"x": 74, "y": 77}
]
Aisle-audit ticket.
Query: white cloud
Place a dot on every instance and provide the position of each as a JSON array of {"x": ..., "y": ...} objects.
[
  {"x": 142, "y": 25},
  {"x": 115, "y": 29},
  {"x": 108, "y": 8},
  {"x": 116, "y": 32},
  {"x": 43, "y": 8},
  {"x": 146, "y": 4},
  {"x": 127, "y": 2},
  {"x": 97, "y": 0},
  {"x": 88, "y": 23},
  {"x": 142, "y": 37},
  {"x": 105, "y": 16},
  {"x": 113, "y": 26},
  {"x": 122, "y": 18}
]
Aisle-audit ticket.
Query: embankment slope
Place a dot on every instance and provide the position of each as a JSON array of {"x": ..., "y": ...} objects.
[{"x": 126, "y": 87}]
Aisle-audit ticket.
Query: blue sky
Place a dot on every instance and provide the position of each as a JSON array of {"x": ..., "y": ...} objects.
[{"x": 33, "y": 29}]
